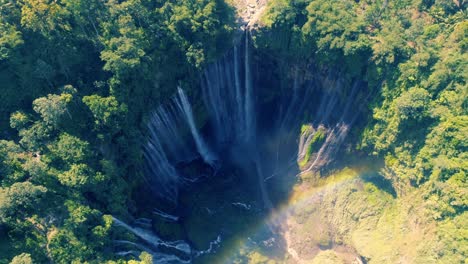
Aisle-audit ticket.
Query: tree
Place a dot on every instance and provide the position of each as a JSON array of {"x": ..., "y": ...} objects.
[
  {"x": 70, "y": 149},
  {"x": 335, "y": 26},
  {"x": 413, "y": 104},
  {"x": 390, "y": 45},
  {"x": 124, "y": 53},
  {"x": 44, "y": 16},
  {"x": 87, "y": 224},
  {"x": 125, "y": 45},
  {"x": 107, "y": 111},
  {"x": 18, "y": 120},
  {"x": 19, "y": 200},
  {"x": 52, "y": 108},
  {"x": 198, "y": 27},
  {"x": 34, "y": 137},
  {"x": 146, "y": 258},
  {"x": 87, "y": 14},
  {"x": 11, "y": 159},
  {"x": 78, "y": 176},
  {"x": 282, "y": 29},
  {"x": 23, "y": 258},
  {"x": 10, "y": 39},
  {"x": 65, "y": 247}
]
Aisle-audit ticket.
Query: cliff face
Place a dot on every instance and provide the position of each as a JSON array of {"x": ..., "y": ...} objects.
[
  {"x": 352, "y": 217},
  {"x": 249, "y": 11},
  {"x": 349, "y": 218}
]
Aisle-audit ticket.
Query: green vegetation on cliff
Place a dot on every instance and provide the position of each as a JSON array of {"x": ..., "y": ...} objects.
[
  {"x": 76, "y": 80},
  {"x": 413, "y": 54}
]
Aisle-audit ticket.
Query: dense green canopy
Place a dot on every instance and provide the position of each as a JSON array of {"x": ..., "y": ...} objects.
[{"x": 69, "y": 73}]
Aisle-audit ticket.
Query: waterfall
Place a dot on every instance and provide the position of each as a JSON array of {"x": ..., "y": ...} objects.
[
  {"x": 201, "y": 146},
  {"x": 165, "y": 216},
  {"x": 130, "y": 252},
  {"x": 320, "y": 157},
  {"x": 166, "y": 124},
  {"x": 292, "y": 104},
  {"x": 139, "y": 232},
  {"x": 249, "y": 111},
  {"x": 230, "y": 101},
  {"x": 228, "y": 93},
  {"x": 305, "y": 140},
  {"x": 261, "y": 183},
  {"x": 240, "y": 115},
  {"x": 337, "y": 135},
  {"x": 161, "y": 170},
  {"x": 180, "y": 246},
  {"x": 159, "y": 258},
  {"x": 230, "y": 105},
  {"x": 151, "y": 239},
  {"x": 134, "y": 245},
  {"x": 168, "y": 145}
]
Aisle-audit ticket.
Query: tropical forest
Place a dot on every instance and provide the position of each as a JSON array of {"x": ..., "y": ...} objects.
[{"x": 234, "y": 131}]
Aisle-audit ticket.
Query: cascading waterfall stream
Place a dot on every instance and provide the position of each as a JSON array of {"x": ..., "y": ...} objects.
[
  {"x": 201, "y": 145},
  {"x": 160, "y": 167},
  {"x": 235, "y": 108},
  {"x": 166, "y": 148},
  {"x": 185, "y": 253},
  {"x": 249, "y": 111},
  {"x": 338, "y": 134},
  {"x": 165, "y": 216},
  {"x": 152, "y": 239},
  {"x": 228, "y": 91},
  {"x": 239, "y": 101}
]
